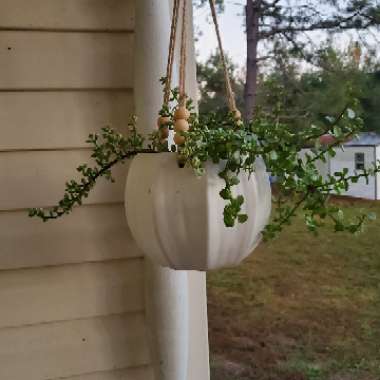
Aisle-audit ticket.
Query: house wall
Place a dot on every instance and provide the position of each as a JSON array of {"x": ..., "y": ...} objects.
[
  {"x": 346, "y": 159},
  {"x": 71, "y": 291},
  {"x": 323, "y": 167}
]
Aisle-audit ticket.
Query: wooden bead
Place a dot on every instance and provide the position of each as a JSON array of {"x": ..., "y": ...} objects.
[
  {"x": 237, "y": 114},
  {"x": 181, "y": 125},
  {"x": 163, "y": 120},
  {"x": 164, "y": 132},
  {"x": 179, "y": 139},
  {"x": 181, "y": 113}
]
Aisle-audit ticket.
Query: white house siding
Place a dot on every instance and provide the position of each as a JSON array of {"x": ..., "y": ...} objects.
[
  {"x": 323, "y": 167},
  {"x": 346, "y": 159},
  {"x": 71, "y": 291}
]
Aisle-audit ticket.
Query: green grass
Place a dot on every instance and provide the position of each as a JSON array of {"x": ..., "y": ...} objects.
[{"x": 301, "y": 308}]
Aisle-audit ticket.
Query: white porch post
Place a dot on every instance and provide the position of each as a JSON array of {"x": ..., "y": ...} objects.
[{"x": 175, "y": 301}]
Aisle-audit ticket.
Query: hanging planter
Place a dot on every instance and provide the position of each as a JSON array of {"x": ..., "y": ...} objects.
[
  {"x": 205, "y": 203},
  {"x": 175, "y": 217}
]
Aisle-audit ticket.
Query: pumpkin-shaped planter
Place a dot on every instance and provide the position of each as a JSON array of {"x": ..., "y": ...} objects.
[{"x": 176, "y": 217}]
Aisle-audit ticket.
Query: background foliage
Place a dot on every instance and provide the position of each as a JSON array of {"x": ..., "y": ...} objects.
[
  {"x": 303, "y": 96},
  {"x": 298, "y": 28}
]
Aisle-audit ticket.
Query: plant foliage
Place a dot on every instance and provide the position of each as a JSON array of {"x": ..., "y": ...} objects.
[{"x": 238, "y": 146}]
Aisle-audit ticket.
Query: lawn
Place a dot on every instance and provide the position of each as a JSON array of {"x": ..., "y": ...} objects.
[{"x": 300, "y": 308}]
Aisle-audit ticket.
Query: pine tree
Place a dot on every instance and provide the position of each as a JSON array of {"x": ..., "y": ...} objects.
[{"x": 294, "y": 23}]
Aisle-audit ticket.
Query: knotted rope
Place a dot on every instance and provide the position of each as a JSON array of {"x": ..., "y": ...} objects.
[
  {"x": 183, "y": 59},
  {"x": 229, "y": 91},
  {"x": 182, "y": 115},
  {"x": 170, "y": 64}
]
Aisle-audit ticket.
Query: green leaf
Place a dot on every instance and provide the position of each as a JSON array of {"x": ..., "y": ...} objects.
[
  {"x": 234, "y": 180},
  {"x": 273, "y": 155},
  {"x": 351, "y": 113},
  {"x": 242, "y": 218},
  {"x": 225, "y": 194},
  {"x": 337, "y": 131},
  {"x": 229, "y": 220},
  {"x": 240, "y": 200},
  {"x": 372, "y": 216}
]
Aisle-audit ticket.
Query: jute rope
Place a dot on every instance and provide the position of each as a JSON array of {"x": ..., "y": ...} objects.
[
  {"x": 183, "y": 55},
  {"x": 170, "y": 64},
  {"x": 229, "y": 91},
  {"x": 183, "y": 59},
  {"x": 182, "y": 115}
]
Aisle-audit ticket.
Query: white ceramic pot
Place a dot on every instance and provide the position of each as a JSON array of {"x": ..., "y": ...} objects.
[{"x": 176, "y": 218}]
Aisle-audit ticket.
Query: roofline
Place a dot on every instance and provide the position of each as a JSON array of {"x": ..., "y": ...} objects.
[{"x": 361, "y": 145}]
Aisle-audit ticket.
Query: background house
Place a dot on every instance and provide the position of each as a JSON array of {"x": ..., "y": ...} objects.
[{"x": 358, "y": 154}]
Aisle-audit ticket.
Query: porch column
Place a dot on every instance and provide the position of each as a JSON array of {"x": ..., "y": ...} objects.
[{"x": 175, "y": 300}]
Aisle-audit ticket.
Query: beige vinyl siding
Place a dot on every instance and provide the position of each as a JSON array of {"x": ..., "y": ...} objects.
[
  {"x": 60, "y": 119},
  {"x": 112, "y": 287},
  {"x": 62, "y": 349},
  {"x": 71, "y": 291},
  {"x": 100, "y": 231},
  {"x": 141, "y": 373},
  {"x": 55, "y": 60},
  {"x": 95, "y": 15},
  {"x": 41, "y": 177}
]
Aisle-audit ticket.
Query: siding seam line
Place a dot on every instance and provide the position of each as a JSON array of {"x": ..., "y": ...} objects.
[
  {"x": 139, "y": 312},
  {"x": 67, "y": 30},
  {"x": 48, "y": 266},
  {"x": 28, "y": 150},
  {"x": 103, "y": 204},
  {"x": 133, "y": 367},
  {"x": 67, "y": 89}
]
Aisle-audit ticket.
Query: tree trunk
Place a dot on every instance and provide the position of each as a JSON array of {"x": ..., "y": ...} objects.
[{"x": 252, "y": 25}]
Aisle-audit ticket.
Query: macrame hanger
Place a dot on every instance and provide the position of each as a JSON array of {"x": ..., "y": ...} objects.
[
  {"x": 170, "y": 64},
  {"x": 183, "y": 58},
  {"x": 164, "y": 120},
  {"x": 182, "y": 114},
  {"x": 229, "y": 91}
]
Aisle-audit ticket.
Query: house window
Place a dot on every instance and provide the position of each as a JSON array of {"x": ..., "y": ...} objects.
[{"x": 359, "y": 161}]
